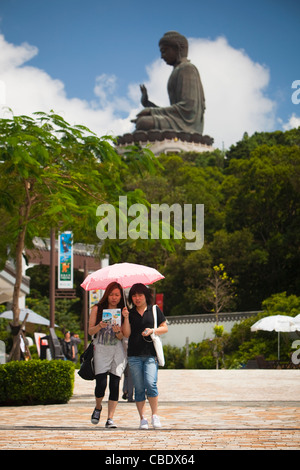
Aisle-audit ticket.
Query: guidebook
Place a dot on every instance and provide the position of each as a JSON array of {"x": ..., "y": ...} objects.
[{"x": 112, "y": 316}]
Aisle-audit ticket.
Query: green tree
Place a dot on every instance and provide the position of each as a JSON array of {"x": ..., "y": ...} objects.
[
  {"x": 262, "y": 195},
  {"x": 281, "y": 304},
  {"x": 244, "y": 148},
  {"x": 53, "y": 175},
  {"x": 219, "y": 293}
]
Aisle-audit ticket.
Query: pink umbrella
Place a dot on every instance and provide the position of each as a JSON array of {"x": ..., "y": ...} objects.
[{"x": 126, "y": 274}]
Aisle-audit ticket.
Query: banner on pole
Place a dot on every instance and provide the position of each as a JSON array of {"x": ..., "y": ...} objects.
[{"x": 65, "y": 260}]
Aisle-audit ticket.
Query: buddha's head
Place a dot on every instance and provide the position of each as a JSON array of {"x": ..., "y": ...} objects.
[{"x": 173, "y": 47}]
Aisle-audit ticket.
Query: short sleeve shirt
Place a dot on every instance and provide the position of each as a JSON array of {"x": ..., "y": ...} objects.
[{"x": 139, "y": 345}]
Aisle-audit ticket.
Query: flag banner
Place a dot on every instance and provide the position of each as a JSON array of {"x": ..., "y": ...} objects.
[{"x": 65, "y": 261}]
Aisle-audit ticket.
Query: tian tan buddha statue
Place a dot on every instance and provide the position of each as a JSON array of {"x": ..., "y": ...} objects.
[{"x": 187, "y": 102}]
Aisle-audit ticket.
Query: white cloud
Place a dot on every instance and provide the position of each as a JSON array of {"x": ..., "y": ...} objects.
[
  {"x": 13, "y": 56},
  {"x": 105, "y": 85},
  {"x": 234, "y": 88},
  {"x": 293, "y": 122},
  {"x": 27, "y": 89}
]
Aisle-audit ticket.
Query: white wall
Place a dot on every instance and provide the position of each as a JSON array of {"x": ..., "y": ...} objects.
[{"x": 196, "y": 330}]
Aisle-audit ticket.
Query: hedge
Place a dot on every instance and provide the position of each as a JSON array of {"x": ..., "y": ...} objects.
[{"x": 36, "y": 382}]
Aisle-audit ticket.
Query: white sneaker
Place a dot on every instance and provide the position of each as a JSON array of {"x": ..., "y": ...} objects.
[
  {"x": 156, "y": 421},
  {"x": 144, "y": 423},
  {"x": 110, "y": 424}
]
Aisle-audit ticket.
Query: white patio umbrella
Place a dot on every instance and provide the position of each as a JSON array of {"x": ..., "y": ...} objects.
[
  {"x": 297, "y": 320},
  {"x": 279, "y": 323},
  {"x": 32, "y": 316}
]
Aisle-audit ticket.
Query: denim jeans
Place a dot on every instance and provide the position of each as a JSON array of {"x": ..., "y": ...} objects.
[{"x": 143, "y": 371}]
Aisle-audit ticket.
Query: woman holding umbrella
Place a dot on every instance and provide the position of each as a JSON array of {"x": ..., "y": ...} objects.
[
  {"x": 138, "y": 326},
  {"x": 109, "y": 355}
]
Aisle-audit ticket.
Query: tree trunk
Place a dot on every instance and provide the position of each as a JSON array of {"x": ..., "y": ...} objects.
[
  {"x": 24, "y": 212},
  {"x": 15, "y": 352}
]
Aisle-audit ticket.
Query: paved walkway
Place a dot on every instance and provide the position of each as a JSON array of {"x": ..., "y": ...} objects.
[{"x": 199, "y": 410}]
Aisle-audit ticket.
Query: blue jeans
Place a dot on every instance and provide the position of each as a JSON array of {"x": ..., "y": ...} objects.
[{"x": 143, "y": 371}]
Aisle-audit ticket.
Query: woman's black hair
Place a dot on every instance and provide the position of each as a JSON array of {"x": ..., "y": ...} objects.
[
  {"x": 140, "y": 289},
  {"x": 103, "y": 303}
]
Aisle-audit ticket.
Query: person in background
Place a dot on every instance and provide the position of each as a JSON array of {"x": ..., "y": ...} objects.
[
  {"x": 68, "y": 347},
  {"x": 75, "y": 340}
]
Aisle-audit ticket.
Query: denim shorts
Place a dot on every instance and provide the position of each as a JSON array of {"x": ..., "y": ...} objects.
[{"x": 143, "y": 371}]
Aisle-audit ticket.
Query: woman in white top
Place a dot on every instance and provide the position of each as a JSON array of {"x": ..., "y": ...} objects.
[{"x": 109, "y": 354}]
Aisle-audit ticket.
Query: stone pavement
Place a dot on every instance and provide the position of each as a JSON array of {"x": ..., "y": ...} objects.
[{"x": 199, "y": 410}]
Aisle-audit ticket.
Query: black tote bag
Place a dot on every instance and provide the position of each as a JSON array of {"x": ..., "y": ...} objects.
[{"x": 86, "y": 370}]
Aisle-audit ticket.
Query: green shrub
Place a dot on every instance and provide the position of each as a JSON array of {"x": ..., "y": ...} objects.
[
  {"x": 36, "y": 382},
  {"x": 201, "y": 355},
  {"x": 174, "y": 357},
  {"x": 33, "y": 352}
]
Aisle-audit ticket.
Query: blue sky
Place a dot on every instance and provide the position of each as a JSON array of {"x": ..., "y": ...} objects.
[{"x": 86, "y": 59}]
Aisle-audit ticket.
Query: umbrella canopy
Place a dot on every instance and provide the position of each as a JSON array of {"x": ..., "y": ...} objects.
[
  {"x": 297, "y": 321},
  {"x": 126, "y": 274},
  {"x": 279, "y": 323},
  {"x": 32, "y": 316}
]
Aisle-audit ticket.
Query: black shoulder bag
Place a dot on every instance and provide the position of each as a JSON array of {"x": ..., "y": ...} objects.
[{"x": 86, "y": 370}]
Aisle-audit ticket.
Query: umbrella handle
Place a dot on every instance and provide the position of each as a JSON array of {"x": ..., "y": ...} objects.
[{"x": 124, "y": 296}]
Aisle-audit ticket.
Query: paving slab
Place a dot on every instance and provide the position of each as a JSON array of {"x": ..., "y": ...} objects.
[{"x": 199, "y": 410}]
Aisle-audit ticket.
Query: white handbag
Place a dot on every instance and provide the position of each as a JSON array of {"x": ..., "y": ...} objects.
[{"x": 157, "y": 341}]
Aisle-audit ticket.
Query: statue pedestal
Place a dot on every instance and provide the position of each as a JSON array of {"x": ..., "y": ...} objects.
[{"x": 166, "y": 141}]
